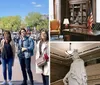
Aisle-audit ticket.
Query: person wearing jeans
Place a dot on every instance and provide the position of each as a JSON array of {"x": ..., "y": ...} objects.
[
  {"x": 26, "y": 64},
  {"x": 10, "y": 63},
  {"x": 7, "y": 56},
  {"x": 25, "y": 51}
]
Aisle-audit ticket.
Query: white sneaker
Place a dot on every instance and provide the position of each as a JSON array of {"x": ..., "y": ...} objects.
[
  {"x": 10, "y": 83},
  {"x": 4, "y": 83}
]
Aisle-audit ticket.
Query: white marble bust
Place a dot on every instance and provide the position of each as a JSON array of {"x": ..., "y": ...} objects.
[{"x": 77, "y": 73}]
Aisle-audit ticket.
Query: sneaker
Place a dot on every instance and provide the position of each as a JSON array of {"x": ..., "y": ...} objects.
[
  {"x": 10, "y": 83},
  {"x": 3, "y": 83}
]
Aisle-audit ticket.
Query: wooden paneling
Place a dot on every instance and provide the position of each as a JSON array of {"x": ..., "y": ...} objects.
[
  {"x": 64, "y": 12},
  {"x": 93, "y": 72},
  {"x": 58, "y": 71}
]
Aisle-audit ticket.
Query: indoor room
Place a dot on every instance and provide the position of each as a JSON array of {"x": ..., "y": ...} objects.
[
  {"x": 62, "y": 60},
  {"x": 74, "y": 20}
]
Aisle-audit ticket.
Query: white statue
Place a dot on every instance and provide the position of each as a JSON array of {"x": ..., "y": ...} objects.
[{"x": 77, "y": 74}]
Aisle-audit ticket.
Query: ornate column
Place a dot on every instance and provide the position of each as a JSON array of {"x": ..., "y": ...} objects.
[{"x": 58, "y": 9}]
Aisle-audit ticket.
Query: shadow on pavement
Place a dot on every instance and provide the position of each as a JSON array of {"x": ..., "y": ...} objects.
[{"x": 19, "y": 83}]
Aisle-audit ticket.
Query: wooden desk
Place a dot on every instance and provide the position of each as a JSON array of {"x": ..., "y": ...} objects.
[{"x": 76, "y": 36}]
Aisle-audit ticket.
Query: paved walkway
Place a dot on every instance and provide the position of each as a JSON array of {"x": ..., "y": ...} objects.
[
  {"x": 19, "y": 83},
  {"x": 17, "y": 75}
]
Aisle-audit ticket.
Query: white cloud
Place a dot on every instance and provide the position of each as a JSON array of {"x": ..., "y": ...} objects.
[
  {"x": 38, "y": 5},
  {"x": 33, "y": 3}
]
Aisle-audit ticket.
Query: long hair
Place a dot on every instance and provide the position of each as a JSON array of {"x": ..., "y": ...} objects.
[
  {"x": 8, "y": 35},
  {"x": 47, "y": 35}
]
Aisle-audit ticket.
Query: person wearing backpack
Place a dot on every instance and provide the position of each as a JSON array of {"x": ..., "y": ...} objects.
[{"x": 25, "y": 51}]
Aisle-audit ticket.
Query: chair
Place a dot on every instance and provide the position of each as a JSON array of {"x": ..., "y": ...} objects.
[{"x": 54, "y": 27}]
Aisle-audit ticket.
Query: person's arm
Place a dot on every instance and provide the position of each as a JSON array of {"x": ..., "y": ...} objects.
[
  {"x": 46, "y": 55},
  {"x": 2, "y": 44},
  {"x": 13, "y": 47},
  {"x": 65, "y": 79},
  {"x": 67, "y": 75},
  {"x": 13, "y": 50},
  {"x": 19, "y": 49},
  {"x": 31, "y": 45}
]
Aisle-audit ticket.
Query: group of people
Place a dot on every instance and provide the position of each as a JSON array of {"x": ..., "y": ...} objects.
[{"x": 25, "y": 52}]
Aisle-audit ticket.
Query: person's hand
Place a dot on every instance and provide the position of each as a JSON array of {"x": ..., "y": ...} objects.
[
  {"x": 65, "y": 81},
  {"x": 3, "y": 43},
  {"x": 24, "y": 49}
]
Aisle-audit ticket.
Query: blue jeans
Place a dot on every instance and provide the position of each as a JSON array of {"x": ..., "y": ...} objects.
[
  {"x": 6, "y": 62},
  {"x": 25, "y": 64}
]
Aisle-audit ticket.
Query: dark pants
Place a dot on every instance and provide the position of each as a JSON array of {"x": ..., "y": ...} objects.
[
  {"x": 25, "y": 64},
  {"x": 45, "y": 80},
  {"x": 6, "y": 62}
]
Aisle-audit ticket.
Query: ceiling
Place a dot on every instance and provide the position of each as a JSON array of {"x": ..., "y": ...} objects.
[{"x": 60, "y": 48}]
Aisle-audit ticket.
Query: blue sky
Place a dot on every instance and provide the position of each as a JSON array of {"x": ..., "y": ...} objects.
[{"x": 23, "y": 7}]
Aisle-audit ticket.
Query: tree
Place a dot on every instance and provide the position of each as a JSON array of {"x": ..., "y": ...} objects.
[
  {"x": 43, "y": 24},
  {"x": 34, "y": 19},
  {"x": 23, "y": 24},
  {"x": 11, "y": 23}
]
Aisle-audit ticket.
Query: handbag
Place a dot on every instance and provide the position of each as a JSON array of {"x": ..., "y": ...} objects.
[
  {"x": 43, "y": 58},
  {"x": 41, "y": 61}
]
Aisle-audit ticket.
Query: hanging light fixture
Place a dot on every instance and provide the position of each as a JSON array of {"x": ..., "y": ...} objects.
[{"x": 69, "y": 52}]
